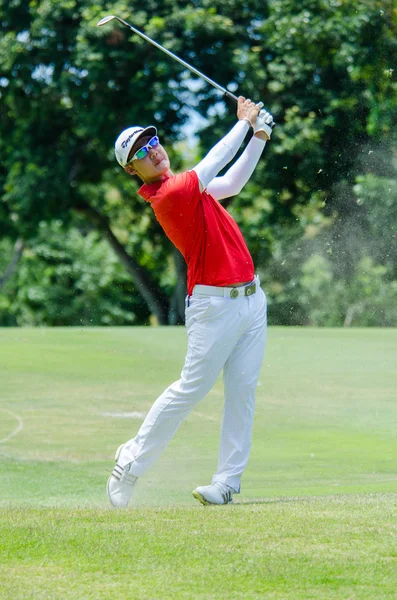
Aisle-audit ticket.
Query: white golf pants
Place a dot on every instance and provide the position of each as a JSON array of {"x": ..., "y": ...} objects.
[{"x": 223, "y": 333}]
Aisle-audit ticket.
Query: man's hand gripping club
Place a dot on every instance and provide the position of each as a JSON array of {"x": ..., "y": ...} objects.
[
  {"x": 260, "y": 120},
  {"x": 248, "y": 114}
]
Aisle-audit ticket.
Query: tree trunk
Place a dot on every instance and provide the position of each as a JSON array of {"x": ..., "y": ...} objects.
[
  {"x": 12, "y": 266},
  {"x": 351, "y": 313},
  {"x": 177, "y": 305},
  {"x": 227, "y": 201},
  {"x": 154, "y": 297}
]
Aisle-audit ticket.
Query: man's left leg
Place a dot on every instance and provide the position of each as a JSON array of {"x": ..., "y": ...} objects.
[{"x": 241, "y": 372}]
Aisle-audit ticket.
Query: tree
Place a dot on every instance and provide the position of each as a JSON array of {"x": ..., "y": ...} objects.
[
  {"x": 68, "y": 278},
  {"x": 333, "y": 161},
  {"x": 68, "y": 88}
]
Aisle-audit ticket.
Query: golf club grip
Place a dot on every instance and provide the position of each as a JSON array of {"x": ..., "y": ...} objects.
[
  {"x": 233, "y": 97},
  {"x": 230, "y": 95}
]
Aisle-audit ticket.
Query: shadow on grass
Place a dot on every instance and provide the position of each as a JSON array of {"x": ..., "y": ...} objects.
[{"x": 286, "y": 500}]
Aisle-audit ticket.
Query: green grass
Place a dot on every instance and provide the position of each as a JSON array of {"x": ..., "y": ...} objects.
[{"x": 317, "y": 517}]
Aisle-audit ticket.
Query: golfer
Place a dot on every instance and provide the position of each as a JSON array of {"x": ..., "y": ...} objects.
[{"x": 225, "y": 305}]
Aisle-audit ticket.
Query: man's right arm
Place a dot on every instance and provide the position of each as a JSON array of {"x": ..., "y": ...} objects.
[
  {"x": 237, "y": 176},
  {"x": 227, "y": 148}
]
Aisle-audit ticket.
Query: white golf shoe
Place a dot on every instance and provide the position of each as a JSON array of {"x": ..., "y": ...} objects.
[
  {"x": 216, "y": 493},
  {"x": 120, "y": 484}
]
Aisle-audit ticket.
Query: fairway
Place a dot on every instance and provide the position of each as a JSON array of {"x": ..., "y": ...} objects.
[{"x": 317, "y": 515}]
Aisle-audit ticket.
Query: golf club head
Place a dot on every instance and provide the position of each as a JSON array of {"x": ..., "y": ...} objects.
[{"x": 105, "y": 20}]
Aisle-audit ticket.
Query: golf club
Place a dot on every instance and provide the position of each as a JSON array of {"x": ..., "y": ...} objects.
[
  {"x": 175, "y": 57},
  {"x": 171, "y": 54}
]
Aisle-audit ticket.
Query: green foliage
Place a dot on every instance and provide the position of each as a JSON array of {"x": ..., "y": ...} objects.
[
  {"x": 378, "y": 197},
  {"x": 67, "y": 278},
  {"x": 309, "y": 292},
  {"x": 325, "y": 70},
  {"x": 370, "y": 299}
]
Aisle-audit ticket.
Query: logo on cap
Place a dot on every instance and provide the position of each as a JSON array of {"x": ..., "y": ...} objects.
[{"x": 125, "y": 143}]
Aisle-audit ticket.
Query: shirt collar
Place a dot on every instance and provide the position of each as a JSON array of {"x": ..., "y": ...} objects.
[{"x": 149, "y": 189}]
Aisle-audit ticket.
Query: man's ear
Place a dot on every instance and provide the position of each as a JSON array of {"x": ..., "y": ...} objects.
[{"x": 130, "y": 170}]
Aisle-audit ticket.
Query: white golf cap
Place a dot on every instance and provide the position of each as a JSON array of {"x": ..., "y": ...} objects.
[{"x": 127, "y": 140}]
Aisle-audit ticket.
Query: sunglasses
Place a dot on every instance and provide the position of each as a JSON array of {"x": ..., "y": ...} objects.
[{"x": 144, "y": 151}]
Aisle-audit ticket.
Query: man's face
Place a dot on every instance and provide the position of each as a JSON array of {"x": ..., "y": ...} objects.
[{"x": 153, "y": 167}]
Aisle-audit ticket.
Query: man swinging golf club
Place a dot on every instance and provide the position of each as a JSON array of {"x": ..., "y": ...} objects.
[{"x": 225, "y": 305}]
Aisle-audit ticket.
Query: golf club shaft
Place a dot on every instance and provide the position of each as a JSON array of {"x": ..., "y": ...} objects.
[{"x": 172, "y": 55}]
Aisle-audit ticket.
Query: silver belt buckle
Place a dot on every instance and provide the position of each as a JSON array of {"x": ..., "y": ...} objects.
[{"x": 248, "y": 291}]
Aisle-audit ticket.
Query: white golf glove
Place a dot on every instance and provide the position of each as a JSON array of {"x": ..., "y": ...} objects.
[{"x": 264, "y": 122}]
